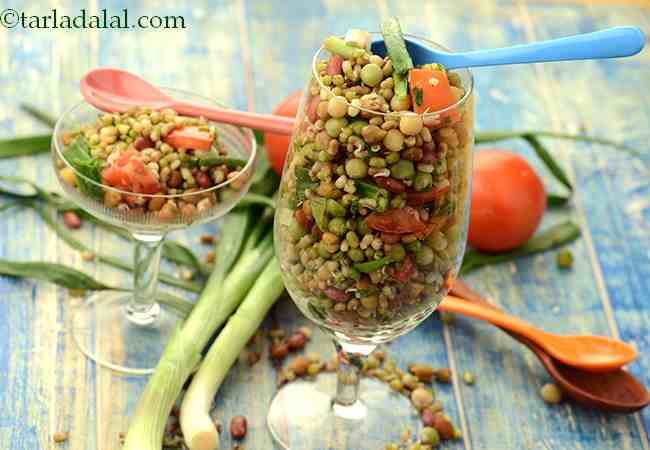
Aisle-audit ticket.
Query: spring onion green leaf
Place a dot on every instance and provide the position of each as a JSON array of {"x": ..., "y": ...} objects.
[
  {"x": 548, "y": 161},
  {"x": 401, "y": 85},
  {"x": 395, "y": 46},
  {"x": 211, "y": 160},
  {"x": 52, "y": 273},
  {"x": 113, "y": 261},
  {"x": 70, "y": 278},
  {"x": 25, "y": 146},
  {"x": 38, "y": 114},
  {"x": 172, "y": 250},
  {"x": 337, "y": 46},
  {"x": 554, "y": 200},
  {"x": 255, "y": 199},
  {"x": 487, "y": 137},
  {"x": 371, "y": 266},
  {"x": 553, "y": 237}
]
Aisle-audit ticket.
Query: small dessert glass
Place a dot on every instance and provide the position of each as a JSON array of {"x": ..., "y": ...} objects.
[{"x": 127, "y": 331}]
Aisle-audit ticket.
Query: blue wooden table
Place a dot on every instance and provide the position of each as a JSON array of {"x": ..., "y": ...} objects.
[{"x": 250, "y": 54}]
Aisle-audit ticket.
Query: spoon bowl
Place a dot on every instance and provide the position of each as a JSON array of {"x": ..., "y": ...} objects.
[{"x": 616, "y": 391}]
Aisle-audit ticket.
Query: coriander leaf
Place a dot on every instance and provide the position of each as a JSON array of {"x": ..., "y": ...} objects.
[
  {"x": 303, "y": 183},
  {"x": 318, "y": 207},
  {"x": 417, "y": 94}
]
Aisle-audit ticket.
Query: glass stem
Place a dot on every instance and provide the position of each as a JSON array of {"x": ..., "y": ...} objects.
[
  {"x": 346, "y": 404},
  {"x": 143, "y": 309}
]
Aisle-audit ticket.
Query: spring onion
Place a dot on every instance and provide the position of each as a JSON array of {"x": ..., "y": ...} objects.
[
  {"x": 225, "y": 289},
  {"x": 198, "y": 428}
]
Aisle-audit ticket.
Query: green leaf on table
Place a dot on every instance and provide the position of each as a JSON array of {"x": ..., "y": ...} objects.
[
  {"x": 25, "y": 146},
  {"x": 255, "y": 199},
  {"x": 554, "y": 200},
  {"x": 10, "y": 186},
  {"x": 77, "y": 154},
  {"x": 552, "y": 237},
  {"x": 548, "y": 161},
  {"x": 265, "y": 181},
  {"x": 53, "y": 273},
  {"x": 68, "y": 238},
  {"x": 24, "y": 189},
  {"x": 180, "y": 254},
  {"x": 259, "y": 137},
  {"x": 38, "y": 114},
  {"x": 70, "y": 278},
  {"x": 487, "y": 137}
]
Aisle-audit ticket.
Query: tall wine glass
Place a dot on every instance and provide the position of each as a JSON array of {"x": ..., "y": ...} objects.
[
  {"x": 127, "y": 331},
  {"x": 370, "y": 230}
]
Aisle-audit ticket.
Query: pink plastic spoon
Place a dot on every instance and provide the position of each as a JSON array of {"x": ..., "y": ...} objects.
[{"x": 117, "y": 90}]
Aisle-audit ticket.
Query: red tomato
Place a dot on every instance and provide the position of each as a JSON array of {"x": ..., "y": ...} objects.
[
  {"x": 277, "y": 145},
  {"x": 129, "y": 173},
  {"x": 190, "y": 137},
  {"x": 396, "y": 221},
  {"x": 420, "y": 198},
  {"x": 405, "y": 271},
  {"x": 508, "y": 201}
]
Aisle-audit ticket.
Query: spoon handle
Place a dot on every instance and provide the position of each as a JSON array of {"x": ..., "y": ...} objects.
[
  {"x": 489, "y": 314},
  {"x": 263, "y": 122},
  {"x": 610, "y": 43}
]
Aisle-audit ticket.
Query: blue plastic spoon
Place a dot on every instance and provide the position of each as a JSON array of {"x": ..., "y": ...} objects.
[{"x": 610, "y": 43}]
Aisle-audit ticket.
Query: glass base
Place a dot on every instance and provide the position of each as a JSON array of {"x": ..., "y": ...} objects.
[
  {"x": 302, "y": 415},
  {"x": 112, "y": 336}
]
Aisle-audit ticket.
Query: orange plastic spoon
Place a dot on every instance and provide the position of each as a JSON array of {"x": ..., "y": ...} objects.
[
  {"x": 594, "y": 353},
  {"x": 117, "y": 90}
]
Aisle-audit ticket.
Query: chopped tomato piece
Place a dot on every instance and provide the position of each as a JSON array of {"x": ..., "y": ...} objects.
[
  {"x": 391, "y": 184},
  {"x": 129, "y": 173},
  {"x": 449, "y": 280},
  {"x": 420, "y": 198},
  {"x": 190, "y": 137},
  {"x": 405, "y": 271},
  {"x": 430, "y": 90},
  {"x": 435, "y": 223},
  {"x": 390, "y": 238},
  {"x": 396, "y": 221},
  {"x": 338, "y": 295}
]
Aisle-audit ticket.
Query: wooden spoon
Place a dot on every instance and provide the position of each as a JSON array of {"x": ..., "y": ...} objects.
[
  {"x": 616, "y": 391},
  {"x": 596, "y": 353}
]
